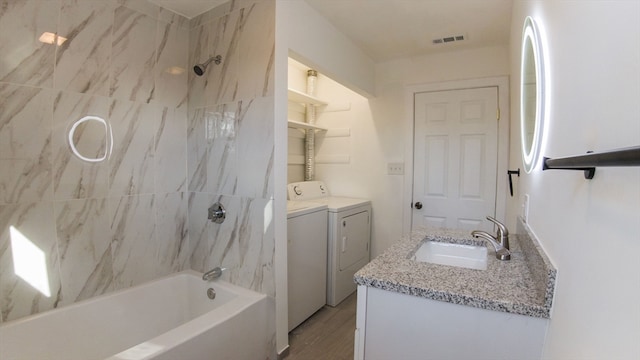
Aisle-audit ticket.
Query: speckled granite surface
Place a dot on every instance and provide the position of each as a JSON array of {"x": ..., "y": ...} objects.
[{"x": 523, "y": 285}]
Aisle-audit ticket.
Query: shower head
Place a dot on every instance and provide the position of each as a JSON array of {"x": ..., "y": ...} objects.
[{"x": 199, "y": 69}]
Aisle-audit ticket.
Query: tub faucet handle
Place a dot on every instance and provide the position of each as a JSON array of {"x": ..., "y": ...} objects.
[{"x": 217, "y": 213}]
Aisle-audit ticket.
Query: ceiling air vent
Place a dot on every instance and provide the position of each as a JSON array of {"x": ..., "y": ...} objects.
[{"x": 448, "y": 39}]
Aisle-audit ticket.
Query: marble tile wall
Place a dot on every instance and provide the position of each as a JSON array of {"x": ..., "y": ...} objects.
[
  {"x": 231, "y": 142},
  {"x": 91, "y": 227},
  {"x": 180, "y": 143}
]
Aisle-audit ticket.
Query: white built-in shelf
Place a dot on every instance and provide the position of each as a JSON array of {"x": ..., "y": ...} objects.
[
  {"x": 300, "y": 97},
  {"x": 304, "y": 126}
]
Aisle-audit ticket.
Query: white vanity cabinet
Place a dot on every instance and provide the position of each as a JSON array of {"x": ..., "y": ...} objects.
[
  {"x": 411, "y": 308},
  {"x": 391, "y": 325}
]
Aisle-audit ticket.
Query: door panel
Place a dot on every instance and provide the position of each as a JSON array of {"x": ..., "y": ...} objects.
[
  {"x": 455, "y": 157},
  {"x": 436, "y": 159},
  {"x": 472, "y": 148}
]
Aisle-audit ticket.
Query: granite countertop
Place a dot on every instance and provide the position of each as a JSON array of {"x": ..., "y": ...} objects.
[{"x": 523, "y": 285}]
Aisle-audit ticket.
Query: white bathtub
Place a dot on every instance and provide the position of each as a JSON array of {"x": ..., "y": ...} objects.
[{"x": 171, "y": 318}]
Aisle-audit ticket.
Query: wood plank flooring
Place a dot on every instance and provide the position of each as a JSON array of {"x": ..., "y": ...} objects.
[{"x": 327, "y": 334}]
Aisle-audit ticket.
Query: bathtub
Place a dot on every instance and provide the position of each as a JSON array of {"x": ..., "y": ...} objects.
[{"x": 170, "y": 318}]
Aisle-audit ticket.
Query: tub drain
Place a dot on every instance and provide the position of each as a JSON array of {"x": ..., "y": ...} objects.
[{"x": 211, "y": 293}]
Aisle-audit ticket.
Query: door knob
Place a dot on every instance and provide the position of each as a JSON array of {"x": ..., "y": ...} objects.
[{"x": 418, "y": 205}]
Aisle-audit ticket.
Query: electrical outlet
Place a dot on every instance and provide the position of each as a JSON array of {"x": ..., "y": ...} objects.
[{"x": 395, "y": 168}]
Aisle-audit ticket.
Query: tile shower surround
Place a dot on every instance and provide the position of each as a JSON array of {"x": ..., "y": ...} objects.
[{"x": 180, "y": 144}]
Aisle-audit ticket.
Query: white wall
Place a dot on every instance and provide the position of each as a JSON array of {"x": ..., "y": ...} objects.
[
  {"x": 377, "y": 130},
  {"x": 308, "y": 37},
  {"x": 376, "y": 142},
  {"x": 315, "y": 42},
  {"x": 389, "y": 120},
  {"x": 590, "y": 228},
  {"x": 280, "y": 180},
  {"x": 351, "y": 137},
  {"x": 340, "y": 160}
]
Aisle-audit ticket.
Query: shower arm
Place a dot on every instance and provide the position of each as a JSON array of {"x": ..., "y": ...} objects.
[{"x": 216, "y": 59}]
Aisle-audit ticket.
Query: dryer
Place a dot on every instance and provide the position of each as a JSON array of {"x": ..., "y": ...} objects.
[
  {"x": 349, "y": 235},
  {"x": 306, "y": 259}
]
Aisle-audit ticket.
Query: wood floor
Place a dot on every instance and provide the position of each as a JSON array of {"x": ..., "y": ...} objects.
[{"x": 328, "y": 334}]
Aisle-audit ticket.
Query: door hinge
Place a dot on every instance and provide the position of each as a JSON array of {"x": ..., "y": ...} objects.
[{"x": 498, "y": 114}]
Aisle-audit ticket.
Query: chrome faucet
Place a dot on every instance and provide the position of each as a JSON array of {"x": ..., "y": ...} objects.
[
  {"x": 500, "y": 242},
  {"x": 214, "y": 273}
]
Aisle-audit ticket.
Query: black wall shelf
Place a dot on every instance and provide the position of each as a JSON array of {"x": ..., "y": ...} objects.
[{"x": 589, "y": 161}]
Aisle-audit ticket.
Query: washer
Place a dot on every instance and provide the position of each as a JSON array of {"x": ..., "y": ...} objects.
[
  {"x": 306, "y": 260},
  {"x": 349, "y": 235}
]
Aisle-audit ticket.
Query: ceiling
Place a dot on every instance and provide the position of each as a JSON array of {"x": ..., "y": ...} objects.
[
  {"x": 388, "y": 29},
  {"x": 189, "y": 8}
]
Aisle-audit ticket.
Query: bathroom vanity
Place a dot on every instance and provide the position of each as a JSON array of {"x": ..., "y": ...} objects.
[{"x": 409, "y": 308}]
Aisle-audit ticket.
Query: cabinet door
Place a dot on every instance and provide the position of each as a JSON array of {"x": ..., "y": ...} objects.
[
  {"x": 353, "y": 242},
  {"x": 407, "y": 327}
]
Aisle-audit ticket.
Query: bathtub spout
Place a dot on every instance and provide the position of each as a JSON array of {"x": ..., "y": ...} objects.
[{"x": 214, "y": 273}]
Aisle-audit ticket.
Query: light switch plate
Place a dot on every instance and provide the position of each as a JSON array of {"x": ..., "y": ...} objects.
[
  {"x": 525, "y": 208},
  {"x": 395, "y": 168}
]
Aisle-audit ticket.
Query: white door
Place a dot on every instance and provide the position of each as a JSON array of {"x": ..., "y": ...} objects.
[{"x": 455, "y": 158}]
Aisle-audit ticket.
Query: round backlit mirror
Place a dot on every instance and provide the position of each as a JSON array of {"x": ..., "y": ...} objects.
[{"x": 532, "y": 93}]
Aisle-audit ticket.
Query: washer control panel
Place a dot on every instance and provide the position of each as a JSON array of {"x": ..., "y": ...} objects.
[{"x": 307, "y": 190}]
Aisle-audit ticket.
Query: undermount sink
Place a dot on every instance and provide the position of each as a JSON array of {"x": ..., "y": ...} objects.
[{"x": 466, "y": 256}]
